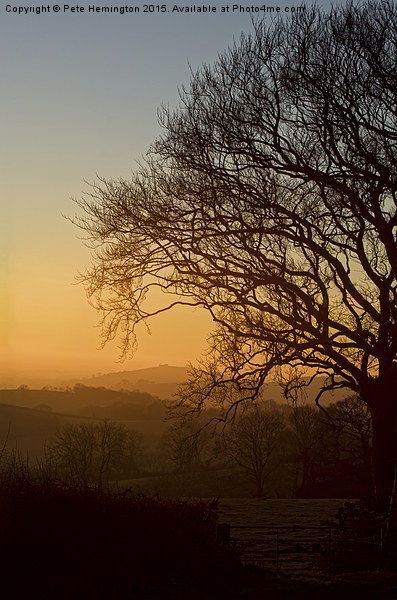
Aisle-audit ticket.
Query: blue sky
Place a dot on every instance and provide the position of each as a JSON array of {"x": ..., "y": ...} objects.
[{"x": 79, "y": 98}]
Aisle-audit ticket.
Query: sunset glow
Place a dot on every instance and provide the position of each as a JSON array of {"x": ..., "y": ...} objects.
[{"x": 80, "y": 94}]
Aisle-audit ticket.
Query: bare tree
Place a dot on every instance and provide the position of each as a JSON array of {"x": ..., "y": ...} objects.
[
  {"x": 93, "y": 453},
  {"x": 72, "y": 451},
  {"x": 187, "y": 444},
  {"x": 352, "y": 420},
  {"x": 270, "y": 201},
  {"x": 308, "y": 428},
  {"x": 251, "y": 442}
]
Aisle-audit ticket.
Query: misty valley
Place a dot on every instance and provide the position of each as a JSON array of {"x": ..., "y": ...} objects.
[
  {"x": 277, "y": 478},
  {"x": 271, "y": 450},
  {"x": 258, "y": 236}
]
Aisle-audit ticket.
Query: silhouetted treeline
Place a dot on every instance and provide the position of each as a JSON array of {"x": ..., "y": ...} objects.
[
  {"x": 85, "y": 544},
  {"x": 274, "y": 450},
  {"x": 77, "y": 541},
  {"x": 269, "y": 450},
  {"x": 97, "y": 403}
]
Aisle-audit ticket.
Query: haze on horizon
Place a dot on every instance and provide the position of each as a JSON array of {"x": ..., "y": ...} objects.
[{"x": 80, "y": 95}]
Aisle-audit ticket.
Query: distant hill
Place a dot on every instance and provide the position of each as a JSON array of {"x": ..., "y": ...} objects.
[
  {"x": 30, "y": 417},
  {"x": 88, "y": 401},
  {"x": 28, "y": 429},
  {"x": 273, "y": 391},
  {"x": 162, "y": 381},
  {"x": 72, "y": 401}
]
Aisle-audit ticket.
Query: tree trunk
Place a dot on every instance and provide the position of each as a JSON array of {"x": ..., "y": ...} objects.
[
  {"x": 380, "y": 397},
  {"x": 384, "y": 418},
  {"x": 260, "y": 484},
  {"x": 390, "y": 542}
]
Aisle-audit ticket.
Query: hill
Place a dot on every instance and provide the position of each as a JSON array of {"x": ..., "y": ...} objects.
[
  {"x": 78, "y": 399},
  {"x": 28, "y": 429},
  {"x": 29, "y": 418},
  {"x": 162, "y": 381}
]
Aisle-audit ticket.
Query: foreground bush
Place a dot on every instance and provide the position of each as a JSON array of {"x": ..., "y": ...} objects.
[
  {"x": 358, "y": 543},
  {"x": 83, "y": 544}
]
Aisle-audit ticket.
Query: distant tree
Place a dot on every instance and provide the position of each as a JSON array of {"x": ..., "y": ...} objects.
[
  {"x": 353, "y": 429},
  {"x": 270, "y": 201},
  {"x": 110, "y": 449},
  {"x": 187, "y": 445},
  {"x": 45, "y": 407},
  {"x": 133, "y": 454},
  {"x": 72, "y": 451},
  {"x": 252, "y": 441},
  {"x": 308, "y": 429},
  {"x": 94, "y": 453},
  {"x": 331, "y": 447}
]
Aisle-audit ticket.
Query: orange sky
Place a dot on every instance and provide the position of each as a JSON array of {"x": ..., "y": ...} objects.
[
  {"x": 48, "y": 330},
  {"x": 79, "y": 98}
]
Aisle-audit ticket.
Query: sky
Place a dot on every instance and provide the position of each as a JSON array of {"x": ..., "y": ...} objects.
[{"x": 80, "y": 93}]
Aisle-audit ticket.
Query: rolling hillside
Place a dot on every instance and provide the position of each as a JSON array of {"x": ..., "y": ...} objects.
[
  {"x": 27, "y": 430},
  {"x": 162, "y": 381},
  {"x": 29, "y": 418},
  {"x": 79, "y": 400}
]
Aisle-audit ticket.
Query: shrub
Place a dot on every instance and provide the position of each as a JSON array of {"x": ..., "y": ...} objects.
[
  {"x": 83, "y": 544},
  {"x": 358, "y": 543}
]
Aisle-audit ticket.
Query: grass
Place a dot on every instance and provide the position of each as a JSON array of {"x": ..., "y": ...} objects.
[
  {"x": 87, "y": 544},
  {"x": 65, "y": 542}
]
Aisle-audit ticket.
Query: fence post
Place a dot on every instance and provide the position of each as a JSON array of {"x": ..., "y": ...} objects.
[
  {"x": 380, "y": 561},
  {"x": 329, "y": 545},
  {"x": 223, "y": 533}
]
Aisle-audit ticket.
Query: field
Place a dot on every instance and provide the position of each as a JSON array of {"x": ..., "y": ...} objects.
[
  {"x": 279, "y": 512},
  {"x": 286, "y": 535},
  {"x": 28, "y": 429}
]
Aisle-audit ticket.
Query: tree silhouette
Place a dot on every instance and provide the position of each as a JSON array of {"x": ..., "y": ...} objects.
[
  {"x": 252, "y": 442},
  {"x": 308, "y": 432},
  {"x": 94, "y": 453},
  {"x": 270, "y": 201}
]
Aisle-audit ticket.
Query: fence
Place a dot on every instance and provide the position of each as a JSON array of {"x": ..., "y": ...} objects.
[{"x": 302, "y": 549}]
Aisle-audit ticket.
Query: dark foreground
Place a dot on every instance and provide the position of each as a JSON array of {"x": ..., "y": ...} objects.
[
  {"x": 256, "y": 585},
  {"x": 64, "y": 543}
]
